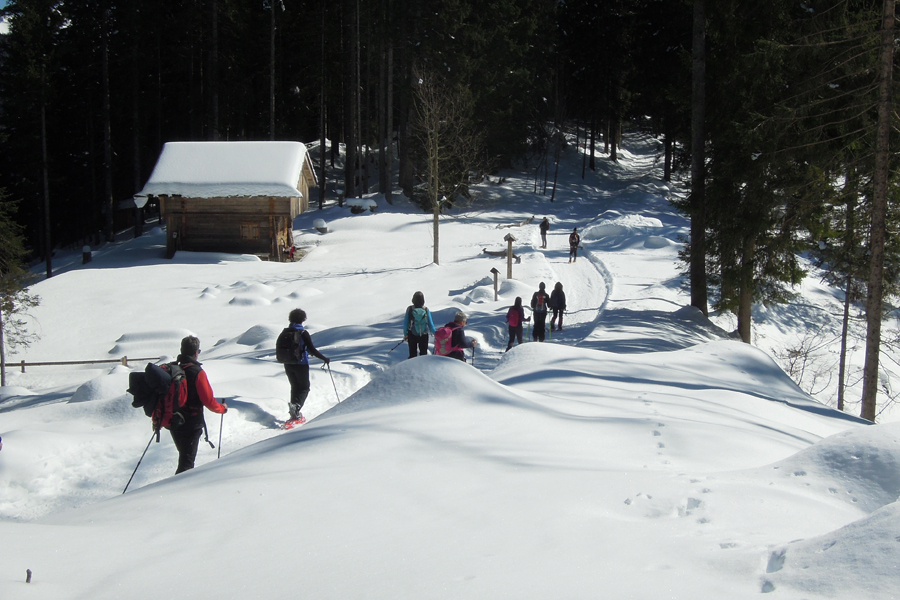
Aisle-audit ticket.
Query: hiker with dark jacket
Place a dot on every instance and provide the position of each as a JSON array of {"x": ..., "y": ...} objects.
[
  {"x": 515, "y": 317},
  {"x": 539, "y": 302},
  {"x": 557, "y": 305},
  {"x": 298, "y": 373},
  {"x": 417, "y": 325},
  {"x": 458, "y": 339},
  {"x": 545, "y": 226},
  {"x": 574, "y": 242},
  {"x": 187, "y": 435}
]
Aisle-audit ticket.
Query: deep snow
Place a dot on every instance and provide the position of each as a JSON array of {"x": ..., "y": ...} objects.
[{"x": 642, "y": 453}]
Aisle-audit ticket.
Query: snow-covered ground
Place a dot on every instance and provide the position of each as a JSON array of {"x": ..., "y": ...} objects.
[{"x": 640, "y": 453}]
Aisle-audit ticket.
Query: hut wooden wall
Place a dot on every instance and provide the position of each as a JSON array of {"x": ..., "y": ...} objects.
[{"x": 258, "y": 225}]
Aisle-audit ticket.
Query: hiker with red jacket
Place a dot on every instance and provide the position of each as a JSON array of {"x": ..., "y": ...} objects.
[
  {"x": 539, "y": 303},
  {"x": 417, "y": 325},
  {"x": 187, "y": 435},
  {"x": 450, "y": 340},
  {"x": 515, "y": 317}
]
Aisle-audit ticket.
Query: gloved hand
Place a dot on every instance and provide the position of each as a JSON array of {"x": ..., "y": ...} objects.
[{"x": 327, "y": 360}]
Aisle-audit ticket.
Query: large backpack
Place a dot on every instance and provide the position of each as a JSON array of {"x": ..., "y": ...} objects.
[
  {"x": 540, "y": 303},
  {"x": 289, "y": 347},
  {"x": 443, "y": 341},
  {"x": 418, "y": 320},
  {"x": 512, "y": 317},
  {"x": 161, "y": 390}
]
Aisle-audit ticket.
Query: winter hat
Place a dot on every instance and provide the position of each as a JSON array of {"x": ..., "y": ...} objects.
[{"x": 542, "y": 286}]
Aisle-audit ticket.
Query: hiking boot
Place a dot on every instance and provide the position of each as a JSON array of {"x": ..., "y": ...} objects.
[{"x": 295, "y": 411}]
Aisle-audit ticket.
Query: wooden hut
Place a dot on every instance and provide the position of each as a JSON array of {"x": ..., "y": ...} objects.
[{"x": 239, "y": 197}]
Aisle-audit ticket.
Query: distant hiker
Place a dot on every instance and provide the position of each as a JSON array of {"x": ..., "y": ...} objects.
[
  {"x": 545, "y": 226},
  {"x": 574, "y": 241},
  {"x": 292, "y": 250},
  {"x": 199, "y": 394},
  {"x": 539, "y": 302},
  {"x": 292, "y": 348},
  {"x": 557, "y": 305},
  {"x": 515, "y": 316},
  {"x": 450, "y": 340},
  {"x": 417, "y": 325}
]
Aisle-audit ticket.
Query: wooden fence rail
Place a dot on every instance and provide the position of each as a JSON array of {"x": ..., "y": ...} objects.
[{"x": 123, "y": 361}]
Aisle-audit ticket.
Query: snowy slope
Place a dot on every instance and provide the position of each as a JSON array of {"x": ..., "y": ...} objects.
[{"x": 639, "y": 454}]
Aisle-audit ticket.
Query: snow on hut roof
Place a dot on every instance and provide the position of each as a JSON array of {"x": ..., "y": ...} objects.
[{"x": 227, "y": 169}]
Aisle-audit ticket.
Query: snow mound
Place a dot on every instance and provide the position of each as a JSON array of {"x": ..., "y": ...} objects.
[
  {"x": 162, "y": 334},
  {"x": 252, "y": 288},
  {"x": 148, "y": 343},
  {"x": 249, "y": 300},
  {"x": 11, "y": 391},
  {"x": 860, "y": 466},
  {"x": 862, "y": 556},
  {"x": 424, "y": 379},
  {"x": 104, "y": 387},
  {"x": 303, "y": 293},
  {"x": 656, "y": 241},
  {"x": 258, "y": 334}
]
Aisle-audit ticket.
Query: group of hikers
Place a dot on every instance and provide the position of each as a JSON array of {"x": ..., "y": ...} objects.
[
  {"x": 294, "y": 346},
  {"x": 574, "y": 239}
]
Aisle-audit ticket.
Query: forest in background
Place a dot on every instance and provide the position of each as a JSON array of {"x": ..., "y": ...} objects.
[{"x": 775, "y": 114}]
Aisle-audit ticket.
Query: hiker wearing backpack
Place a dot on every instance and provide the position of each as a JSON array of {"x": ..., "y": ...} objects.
[
  {"x": 574, "y": 241},
  {"x": 558, "y": 306},
  {"x": 417, "y": 325},
  {"x": 450, "y": 340},
  {"x": 199, "y": 394},
  {"x": 292, "y": 349},
  {"x": 515, "y": 316},
  {"x": 545, "y": 227},
  {"x": 539, "y": 303}
]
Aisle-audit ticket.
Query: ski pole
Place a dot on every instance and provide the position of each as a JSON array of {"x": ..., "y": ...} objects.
[
  {"x": 139, "y": 462},
  {"x": 332, "y": 382},
  {"x": 221, "y": 424}
]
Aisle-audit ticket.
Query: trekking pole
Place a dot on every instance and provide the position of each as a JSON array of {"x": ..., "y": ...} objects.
[
  {"x": 332, "y": 383},
  {"x": 398, "y": 343},
  {"x": 221, "y": 424},
  {"x": 473, "y": 356},
  {"x": 139, "y": 462}
]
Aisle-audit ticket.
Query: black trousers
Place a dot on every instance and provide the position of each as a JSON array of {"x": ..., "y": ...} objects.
[
  {"x": 298, "y": 376},
  {"x": 540, "y": 320},
  {"x": 515, "y": 333},
  {"x": 557, "y": 313},
  {"x": 186, "y": 439},
  {"x": 417, "y": 344}
]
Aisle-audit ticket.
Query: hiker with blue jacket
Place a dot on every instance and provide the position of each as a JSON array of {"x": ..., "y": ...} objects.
[
  {"x": 298, "y": 373},
  {"x": 417, "y": 325}
]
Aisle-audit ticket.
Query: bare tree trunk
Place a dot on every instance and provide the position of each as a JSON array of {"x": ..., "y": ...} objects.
[
  {"x": 850, "y": 231},
  {"x": 109, "y": 201},
  {"x": 592, "y": 165},
  {"x": 322, "y": 140},
  {"x": 214, "y": 71},
  {"x": 875, "y": 299},
  {"x": 698, "y": 175},
  {"x": 745, "y": 304},
  {"x": 350, "y": 98},
  {"x": 2, "y": 353},
  {"x": 272, "y": 75},
  {"x": 48, "y": 242}
]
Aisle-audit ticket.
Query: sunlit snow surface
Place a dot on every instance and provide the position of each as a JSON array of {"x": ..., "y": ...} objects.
[{"x": 640, "y": 453}]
